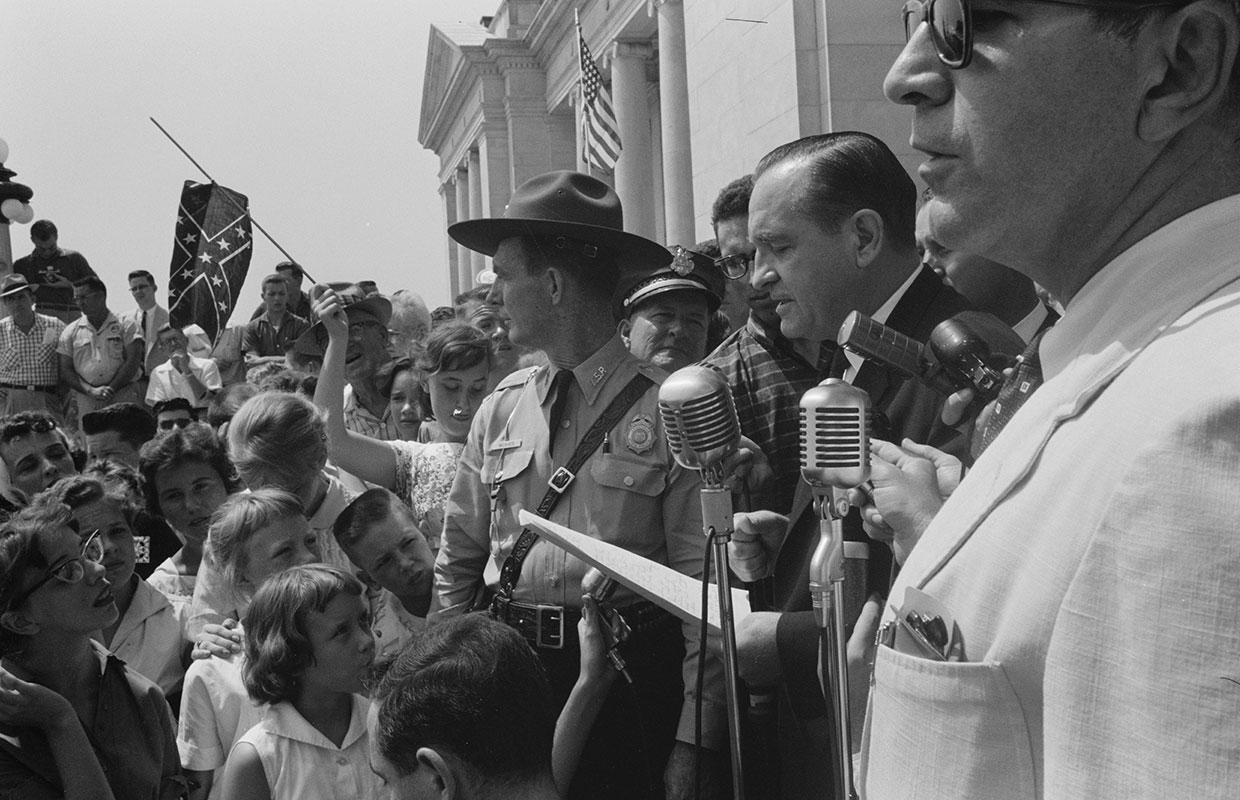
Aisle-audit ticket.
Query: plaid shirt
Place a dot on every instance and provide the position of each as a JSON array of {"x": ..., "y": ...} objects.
[
  {"x": 358, "y": 419},
  {"x": 767, "y": 379},
  {"x": 30, "y": 358}
]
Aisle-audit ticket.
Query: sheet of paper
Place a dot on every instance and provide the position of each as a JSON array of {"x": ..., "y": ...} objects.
[{"x": 662, "y": 585}]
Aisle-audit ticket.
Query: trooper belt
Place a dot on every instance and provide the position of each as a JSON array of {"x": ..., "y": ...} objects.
[{"x": 547, "y": 626}]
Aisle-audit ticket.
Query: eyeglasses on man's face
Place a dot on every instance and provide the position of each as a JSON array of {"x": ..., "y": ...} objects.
[
  {"x": 67, "y": 570},
  {"x": 951, "y": 22},
  {"x": 735, "y": 266}
]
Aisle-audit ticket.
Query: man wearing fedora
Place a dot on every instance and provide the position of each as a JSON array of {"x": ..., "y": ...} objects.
[
  {"x": 665, "y": 314},
  {"x": 368, "y": 361},
  {"x": 558, "y": 254},
  {"x": 29, "y": 368}
]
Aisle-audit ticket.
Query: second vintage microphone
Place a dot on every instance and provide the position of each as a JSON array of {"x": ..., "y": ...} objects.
[{"x": 835, "y": 457}]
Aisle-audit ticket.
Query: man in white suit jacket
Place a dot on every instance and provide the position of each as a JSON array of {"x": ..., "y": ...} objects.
[{"x": 1091, "y": 558}]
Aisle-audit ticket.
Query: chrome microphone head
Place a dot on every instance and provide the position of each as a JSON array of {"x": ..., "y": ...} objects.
[
  {"x": 699, "y": 417},
  {"x": 597, "y": 585},
  {"x": 835, "y": 435}
]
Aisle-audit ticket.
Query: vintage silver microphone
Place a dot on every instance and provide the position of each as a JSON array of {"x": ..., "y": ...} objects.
[
  {"x": 699, "y": 419},
  {"x": 835, "y": 457}
]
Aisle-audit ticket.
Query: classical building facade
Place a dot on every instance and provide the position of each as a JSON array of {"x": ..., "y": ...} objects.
[{"x": 701, "y": 89}]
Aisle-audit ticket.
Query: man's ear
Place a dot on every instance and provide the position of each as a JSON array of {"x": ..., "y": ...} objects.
[
  {"x": 553, "y": 279},
  {"x": 1187, "y": 59},
  {"x": 440, "y": 773},
  {"x": 625, "y": 329},
  {"x": 866, "y": 229},
  {"x": 19, "y": 623}
]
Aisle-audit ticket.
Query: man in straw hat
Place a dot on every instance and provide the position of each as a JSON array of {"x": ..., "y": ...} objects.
[
  {"x": 558, "y": 254},
  {"x": 30, "y": 375}
]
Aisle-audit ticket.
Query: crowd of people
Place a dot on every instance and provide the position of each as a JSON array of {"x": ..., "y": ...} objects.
[{"x": 288, "y": 563}]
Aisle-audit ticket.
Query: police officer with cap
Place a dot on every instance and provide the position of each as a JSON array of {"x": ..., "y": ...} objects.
[
  {"x": 559, "y": 252},
  {"x": 665, "y": 314}
]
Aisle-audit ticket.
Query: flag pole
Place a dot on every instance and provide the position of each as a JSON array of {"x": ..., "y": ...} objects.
[
  {"x": 581, "y": 99},
  {"x": 245, "y": 211}
]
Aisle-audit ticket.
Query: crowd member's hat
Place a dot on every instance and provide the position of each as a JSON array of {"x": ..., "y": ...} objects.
[
  {"x": 579, "y": 211},
  {"x": 14, "y": 283},
  {"x": 689, "y": 270},
  {"x": 358, "y": 306}
]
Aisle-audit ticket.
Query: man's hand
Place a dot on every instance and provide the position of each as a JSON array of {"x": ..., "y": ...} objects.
[
  {"x": 180, "y": 362},
  {"x": 909, "y": 486},
  {"x": 100, "y": 392},
  {"x": 747, "y": 468},
  {"x": 756, "y": 538},
  {"x": 861, "y": 651}
]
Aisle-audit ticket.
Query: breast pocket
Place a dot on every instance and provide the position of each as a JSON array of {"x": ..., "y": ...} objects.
[
  {"x": 628, "y": 507},
  {"x": 498, "y": 469},
  {"x": 956, "y": 726}
]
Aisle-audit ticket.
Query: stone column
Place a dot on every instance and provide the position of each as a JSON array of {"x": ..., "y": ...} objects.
[
  {"x": 464, "y": 277},
  {"x": 634, "y": 177},
  {"x": 478, "y": 262},
  {"x": 447, "y": 197},
  {"x": 674, "y": 114}
]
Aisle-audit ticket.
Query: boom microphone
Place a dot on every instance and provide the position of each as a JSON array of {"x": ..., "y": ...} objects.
[
  {"x": 699, "y": 418},
  {"x": 953, "y": 359}
]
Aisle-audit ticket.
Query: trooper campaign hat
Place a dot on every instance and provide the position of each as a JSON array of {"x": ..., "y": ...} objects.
[
  {"x": 688, "y": 270},
  {"x": 576, "y": 211}
]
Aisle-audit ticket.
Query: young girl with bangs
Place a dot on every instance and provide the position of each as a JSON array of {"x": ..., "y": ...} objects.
[
  {"x": 309, "y": 651},
  {"x": 454, "y": 369}
]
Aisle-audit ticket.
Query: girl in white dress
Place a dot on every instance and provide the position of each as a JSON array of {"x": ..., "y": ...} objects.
[{"x": 309, "y": 651}]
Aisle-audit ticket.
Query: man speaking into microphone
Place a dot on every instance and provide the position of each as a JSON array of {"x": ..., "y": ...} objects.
[{"x": 832, "y": 218}]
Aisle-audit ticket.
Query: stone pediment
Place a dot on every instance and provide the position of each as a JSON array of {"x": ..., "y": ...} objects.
[{"x": 454, "y": 48}]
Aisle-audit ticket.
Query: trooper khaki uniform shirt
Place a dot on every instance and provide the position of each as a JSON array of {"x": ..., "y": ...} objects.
[{"x": 630, "y": 492}]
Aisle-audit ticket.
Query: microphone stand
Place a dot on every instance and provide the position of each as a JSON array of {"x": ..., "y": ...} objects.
[
  {"x": 717, "y": 517},
  {"x": 826, "y": 585}
]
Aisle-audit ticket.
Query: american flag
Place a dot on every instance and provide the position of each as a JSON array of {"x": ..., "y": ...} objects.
[
  {"x": 210, "y": 256},
  {"x": 600, "y": 134}
]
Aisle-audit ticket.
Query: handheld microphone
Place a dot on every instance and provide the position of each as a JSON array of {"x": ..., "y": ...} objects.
[
  {"x": 699, "y": 418},
  {"x": 953, "y": 359},
  {"x": 615, "y": 630}
]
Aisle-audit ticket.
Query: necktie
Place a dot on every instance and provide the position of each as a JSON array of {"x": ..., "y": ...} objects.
[
  {"x": 148, "y": 342},
  {"x": 1026, "y": 377},
  {"x": 560, "y": 386}
]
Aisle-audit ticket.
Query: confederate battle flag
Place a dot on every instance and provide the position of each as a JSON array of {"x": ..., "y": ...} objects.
[{"x": 210, "y": 256}]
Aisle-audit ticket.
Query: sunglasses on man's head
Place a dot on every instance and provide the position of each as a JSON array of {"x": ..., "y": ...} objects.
[{"x": 951, "y": 22}]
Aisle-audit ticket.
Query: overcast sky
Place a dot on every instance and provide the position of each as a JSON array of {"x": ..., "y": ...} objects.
[{"x": 309, "y": 107}]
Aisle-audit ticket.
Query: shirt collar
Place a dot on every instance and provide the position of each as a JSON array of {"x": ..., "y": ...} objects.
[
  {"x": 593, "y": 374},
  {"x": 1113, "y": 314},
  {"x": 284, "y": 720},
  {"x": 1028, "y": 327}
]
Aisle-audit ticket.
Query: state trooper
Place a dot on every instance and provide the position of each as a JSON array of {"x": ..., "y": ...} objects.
[{"x": 559, "y": 252}]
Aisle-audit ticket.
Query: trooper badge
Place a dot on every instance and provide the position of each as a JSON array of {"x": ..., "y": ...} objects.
[
  {"x": 682, "y": 263},
  {"x": 640, "y": 436}
]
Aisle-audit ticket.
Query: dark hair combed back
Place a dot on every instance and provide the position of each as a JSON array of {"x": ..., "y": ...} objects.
[
  {"x": 133, "y": 422},
  {"x": 470, "y": 686},
  {"x": 92, "y": 282},
  {"x": 733, "y": 200},
  {"x": 277, "y": 647},
  {"x": 23, "y": 422},
  {"x": 195, "y": 443},
  {"x": 173, "y": 404},
  {"x": 369, "y": 509},
  {"x": 143, "y": 274},
  {"x": 850, "y": 171},
  {"x": 19, "y": 551}
]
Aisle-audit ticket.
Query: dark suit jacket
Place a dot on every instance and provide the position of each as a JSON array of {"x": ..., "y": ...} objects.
[{"x": 904, "y": 408}]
